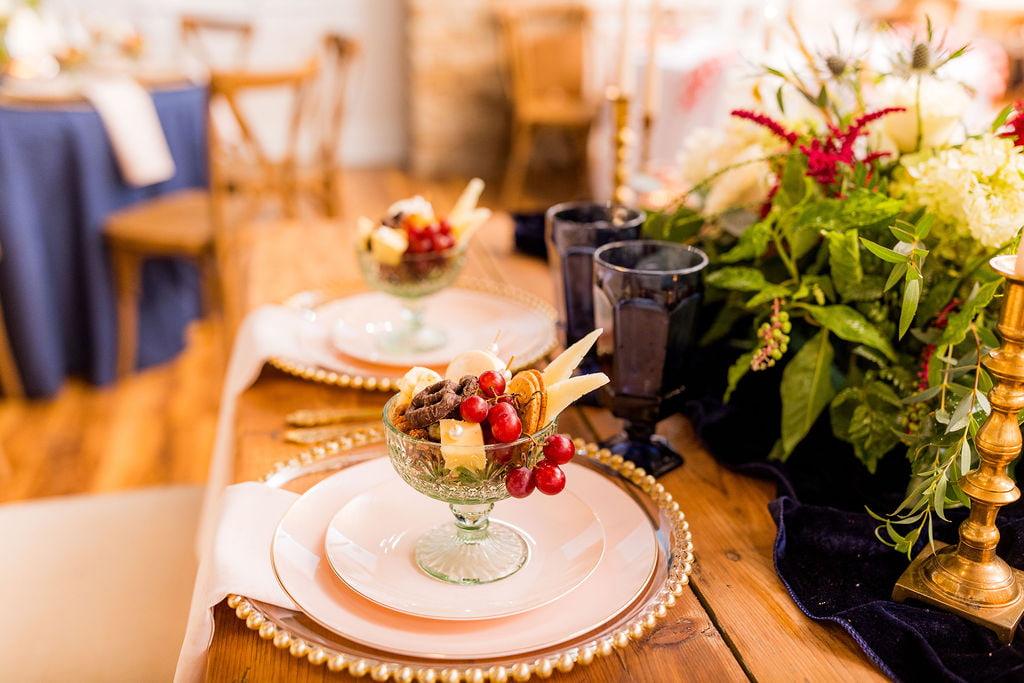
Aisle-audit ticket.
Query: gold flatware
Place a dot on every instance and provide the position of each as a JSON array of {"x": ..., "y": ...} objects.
[
  {"x": 330, "y": 416},
  {"x": 312, "y": 435}
]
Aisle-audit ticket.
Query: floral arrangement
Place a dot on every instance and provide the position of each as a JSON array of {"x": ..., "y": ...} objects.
[{"x": 850, "y": 220}]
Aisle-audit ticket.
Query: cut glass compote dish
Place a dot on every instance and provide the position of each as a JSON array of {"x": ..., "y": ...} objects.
[
  {"x": 475, "y": 437},
  {"x": 411, "y": 254}
]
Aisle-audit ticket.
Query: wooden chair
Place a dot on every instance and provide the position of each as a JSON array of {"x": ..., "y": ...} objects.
[
  {"x": 198, "y": 31},
  {"x": 322, "y": 179},
  {"x": 545, "y": 53},
  {"x": 200, "y": 224},
  {"x": 10, "y": 379}
]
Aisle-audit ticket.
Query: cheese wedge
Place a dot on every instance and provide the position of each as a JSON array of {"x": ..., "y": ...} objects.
[
  {"x": 466, "y": 228},
  {"x": 462, "y": 445},
  {"x": 473, "y": 363},
  {"x": 388, "y": 245},
  {"x": 415, "y": 381},
  {"x": 561, "y": 367},
  {"x": 467, "y": 201},
  {"x": 562, "y": 394}
]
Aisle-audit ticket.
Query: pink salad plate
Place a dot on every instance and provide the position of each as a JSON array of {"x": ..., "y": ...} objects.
[
  {"x": 371, "y": 542},
  {"x": 341, "y": 346},
  {"x": 623, "y": 572}
]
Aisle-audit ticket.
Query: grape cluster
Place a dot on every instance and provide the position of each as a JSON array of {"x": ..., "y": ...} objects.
[{"x": 773, "y": 336}]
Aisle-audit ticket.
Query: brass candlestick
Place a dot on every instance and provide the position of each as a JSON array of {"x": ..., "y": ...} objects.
[
  {"x": 969, "y": 579},
  {"x": 623, "y": 142}
]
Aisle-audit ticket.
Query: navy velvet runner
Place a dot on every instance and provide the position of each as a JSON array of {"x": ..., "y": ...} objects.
[{"x": 836, "y": 570}]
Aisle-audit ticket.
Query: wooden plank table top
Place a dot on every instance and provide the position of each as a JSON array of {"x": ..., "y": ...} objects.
[{"x": 736, "y": 621}]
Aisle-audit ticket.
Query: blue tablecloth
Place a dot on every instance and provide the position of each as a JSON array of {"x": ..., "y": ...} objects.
[{"x": 58, "y": 181}]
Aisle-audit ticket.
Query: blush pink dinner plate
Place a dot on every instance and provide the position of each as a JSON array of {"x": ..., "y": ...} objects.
[
  {"x": 623, "y": 571},
  {"x": 371, "y": 543},
  {"x": 471, "y": 318}
]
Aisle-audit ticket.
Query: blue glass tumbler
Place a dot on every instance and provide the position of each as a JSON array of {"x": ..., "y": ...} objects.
[
  {"x": 573, "y": 230},
  {"x": 647, "y": 295}
]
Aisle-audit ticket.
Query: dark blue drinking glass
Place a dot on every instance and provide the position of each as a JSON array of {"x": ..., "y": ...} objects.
[
  {"x": 573, "y": 231},
  {"x": 646, "y": 297}
]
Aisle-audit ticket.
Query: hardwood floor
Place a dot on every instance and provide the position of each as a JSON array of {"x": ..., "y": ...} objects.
[{"x": 157, "y": 426}]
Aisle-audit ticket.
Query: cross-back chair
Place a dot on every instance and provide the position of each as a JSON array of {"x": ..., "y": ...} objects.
[
  {"x": 198, "y": 32},
  {"x": 204, "y": 225},
  {"x": 545, "y": 49}
]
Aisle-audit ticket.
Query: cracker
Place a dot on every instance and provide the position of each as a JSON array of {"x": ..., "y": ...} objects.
[{"x": 528, "y": 388}]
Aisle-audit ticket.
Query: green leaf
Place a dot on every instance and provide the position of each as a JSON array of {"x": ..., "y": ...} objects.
[
  {"x": 738, "y": 278},
  {"x": 752, "y": 243},
  {"x": 848, "y": 324},
  {"x": 723, "y": 323},
  {"x": 736, "y": 372},
  {"x": 845, "y": 266},
  {"x": 1001, "y": 117},
  {"x": 768, "y": 294},
  {"x": 794, "y": 185},
  {"x": 682, "y": 224},
  {"x": 897, "y": 273},
  {"x": 883, "y": 253},
  {"x": 960, "y": 321},
  {"x": 911, "y": 294},
  {"x": 805, "y": 390},
  {"x": 779, "y": 100}
]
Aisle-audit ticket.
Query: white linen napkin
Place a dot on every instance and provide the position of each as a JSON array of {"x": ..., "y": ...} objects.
[
  {"x": 238, "y": 561},
  {"x": 237, "y": 522},
  {"x": 132, "y": 124}
]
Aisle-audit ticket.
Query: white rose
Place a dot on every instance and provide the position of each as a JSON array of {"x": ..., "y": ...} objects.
[
  {"x": 747, "y": 184},
  {"x": 943, "y": 104}
]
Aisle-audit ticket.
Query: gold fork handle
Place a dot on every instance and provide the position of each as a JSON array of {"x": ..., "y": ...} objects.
[
  {"x": 331, "y": 416},
  {"x": 312, "y": 435}
]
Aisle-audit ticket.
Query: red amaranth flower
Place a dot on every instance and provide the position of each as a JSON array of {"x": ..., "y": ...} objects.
[
  {"x": 826, "y": 155},
  {"x": 1015, "y": 123}
]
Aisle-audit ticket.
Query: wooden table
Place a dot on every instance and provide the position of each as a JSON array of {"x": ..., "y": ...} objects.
[{"x": 736, "y": 623}]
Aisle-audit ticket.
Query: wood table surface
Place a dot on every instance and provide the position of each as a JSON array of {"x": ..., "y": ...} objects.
[{"x": 735, "y": 622}]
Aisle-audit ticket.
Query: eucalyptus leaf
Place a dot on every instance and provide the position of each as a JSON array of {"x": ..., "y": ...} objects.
[
  {"x": 805, "y": 390},
  {"x": 883, "y": 253},
  {"x": 849, "y": 324},
  {"x": 895, "y": 275},
  {"x": 911, "y": 295}
]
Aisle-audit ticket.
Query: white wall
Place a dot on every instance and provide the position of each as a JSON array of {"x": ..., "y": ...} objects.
[{"x": 288, "y": 31}]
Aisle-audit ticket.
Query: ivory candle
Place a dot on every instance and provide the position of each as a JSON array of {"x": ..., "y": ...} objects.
[{"x": 625, "y": 63}]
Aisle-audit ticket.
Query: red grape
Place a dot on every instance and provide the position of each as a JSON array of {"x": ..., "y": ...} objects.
[
  {"x": 511, "y": 400},
  {"x": 446, "y": 228},
  {"x": 492, "y": 383},
  {"x": 549, "y": 477},
  {"x": 558, "y": 449},
  {"x": 442, "y": 242},
  {"x": 520, "y": 482},
  {"x": 502, "y": 454},
  {"x": 418, "y": 244},
  {"x": 474, "y": 409},
  {"x": 506, "y": 427}
]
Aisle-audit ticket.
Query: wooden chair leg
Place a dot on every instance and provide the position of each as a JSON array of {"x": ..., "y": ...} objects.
[
  {"x": 128, "y": 278},
  {"x": 210, "y": 282},
  {"x": 10, "y": 378},
  {"x": 518, "y": 164}
]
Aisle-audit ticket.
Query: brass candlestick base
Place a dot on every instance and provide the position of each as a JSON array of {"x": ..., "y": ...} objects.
[
  {"x": 622, "y": 194},
  {"x": 969, "y": 579}
]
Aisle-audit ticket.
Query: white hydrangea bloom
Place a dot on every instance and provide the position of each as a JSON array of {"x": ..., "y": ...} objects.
[
  {"x": 943, "y": 105},
  {"x": 740, "y": 143},
  {"x": 976, "y": 190}
]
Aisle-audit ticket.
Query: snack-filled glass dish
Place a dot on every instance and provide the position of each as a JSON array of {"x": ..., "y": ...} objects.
[
  {"x": 412, "y": 253},
  {"x": 471, "y": 479},
  {"x": 475, "y": 436}
]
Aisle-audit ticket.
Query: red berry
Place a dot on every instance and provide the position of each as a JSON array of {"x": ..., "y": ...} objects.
[
  {"x": 558, "y": 449},
  {"x": 492, "y": 383},
  {"x": 502, "y": 454},
  {"x": 419, "y": 244},
  {"x": 511, "y": 400},
  {"x": 474, "y": 409},
  {"x": 520, "y": 482},
  {"x": 549, "y": 477},
  {"x": 506, "y": 428},
  {"x": 432, "y": 229},
  {"x": 442, "y": 242},
  {"x": 446, "y": 228}
]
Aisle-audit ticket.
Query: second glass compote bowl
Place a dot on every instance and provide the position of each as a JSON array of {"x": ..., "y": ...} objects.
[
  {"x": 473, "y": 548},
  {"x": 416, "y": 277}
]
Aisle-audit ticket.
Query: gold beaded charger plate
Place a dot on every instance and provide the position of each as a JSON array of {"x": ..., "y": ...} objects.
[
  {"x": 336, "y": 351},
  {"x": 371, "y": 540},
  {"x": 305, "y": 638}
]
